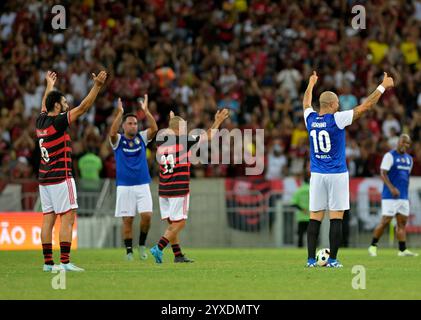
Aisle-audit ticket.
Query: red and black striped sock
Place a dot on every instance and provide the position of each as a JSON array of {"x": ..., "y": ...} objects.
[
  {"x": 47, "y": 251},
  {"x": 65, "y": 252},
  {"x": 162, "y": 243},
  {"x": 177, "y": 250}
]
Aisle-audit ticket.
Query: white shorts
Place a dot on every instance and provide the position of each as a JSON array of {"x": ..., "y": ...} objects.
[
  {"x": 329, "y": 191},
  {"x": 174, "y": 209},
  {"x": 58, "y": 198},
  {"x": 132, "y": 200},
  {"x": 391, "y": 207}
]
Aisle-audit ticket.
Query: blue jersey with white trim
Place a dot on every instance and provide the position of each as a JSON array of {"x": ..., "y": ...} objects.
[
  {"x": 399, "y": 173},
  {"x": 131, "y": 163},
  {"x": 327, "y": 140}
]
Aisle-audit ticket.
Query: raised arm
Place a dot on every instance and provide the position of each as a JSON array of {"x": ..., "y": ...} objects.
[
  {"x": 116, "y": 122},
  {"x": 372, "y": 99},
  {"x": 308, "y": 94},
  {"x": 153, "y": 127},
  {"x": 51, "y": 78},
  {"x": 220, "y": 117},
  {"x": 87, "y": 103}
]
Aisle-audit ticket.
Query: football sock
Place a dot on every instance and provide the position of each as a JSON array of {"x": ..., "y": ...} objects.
[
  {"x": 162, "y": 243},
  {"x": 142, "y": 238},
  {"x": 335, "y": 237},
  {"x": 374, "y": 242},
  {"x": 128, "y": 244},
  {"x": 176, "y": 250},
  {"x": 47, "y": 251},
  {"x": 65, "y": 252},
  {"x": 402, "y": 245},
  {"x": 312, "y": 236}
]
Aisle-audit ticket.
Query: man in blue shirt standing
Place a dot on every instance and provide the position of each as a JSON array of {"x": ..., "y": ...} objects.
[
  {"x": 329, "y": 182},
  {"x": 395, "y": 170},
  {"x": 132, "y": 174}
]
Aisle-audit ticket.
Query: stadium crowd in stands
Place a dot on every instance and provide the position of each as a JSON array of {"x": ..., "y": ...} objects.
[{"x": 192, "y": 57}]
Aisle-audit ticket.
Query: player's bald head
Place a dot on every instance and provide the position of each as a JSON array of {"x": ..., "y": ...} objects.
[
  {"x": 404, "y": 143},
  {"x": 405, "y": 137},
  {"x": 176, "y": 122},
  {"x": 328, "y": 99}
]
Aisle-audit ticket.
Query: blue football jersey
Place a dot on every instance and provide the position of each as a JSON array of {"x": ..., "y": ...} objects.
[
  {"x": 399, "y": 168},
  {"x": 327, "y": 140},
  {"x": 131, "y": 163}
]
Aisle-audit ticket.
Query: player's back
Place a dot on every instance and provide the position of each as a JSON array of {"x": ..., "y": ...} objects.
[
  {"x": 55, "y": 145},
  {"x": 173, "y": 154},
  {"x": 327, "y": 140}
]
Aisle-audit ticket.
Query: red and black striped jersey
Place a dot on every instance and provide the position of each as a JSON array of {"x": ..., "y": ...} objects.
[
  {"x": 174, "y": 164},
  {"x": 56, "y": 150}
]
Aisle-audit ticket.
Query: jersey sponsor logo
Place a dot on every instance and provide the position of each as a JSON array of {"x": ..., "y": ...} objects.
[
  {"x": 322, "y": 156},
  {"x": 132, "y": 150},
  {"x": 403, "y": 167},
  {"x": 41, "y": 133},
  {"x": 46, "y": 132}
]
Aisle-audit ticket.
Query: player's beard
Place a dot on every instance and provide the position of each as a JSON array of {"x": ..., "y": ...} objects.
[{"x": 63, "y": 108}]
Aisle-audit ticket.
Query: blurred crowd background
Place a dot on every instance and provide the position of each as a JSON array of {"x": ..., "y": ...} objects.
[{"x": 194, "y": 57}]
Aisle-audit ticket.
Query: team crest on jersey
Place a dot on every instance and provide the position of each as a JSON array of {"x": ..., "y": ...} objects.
[{"x": 131, "y": 144}]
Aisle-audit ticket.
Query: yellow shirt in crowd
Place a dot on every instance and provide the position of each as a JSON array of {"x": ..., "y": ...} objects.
[
  {"x": 378, "y": 50},
  {"x": 409, "y": 51}
]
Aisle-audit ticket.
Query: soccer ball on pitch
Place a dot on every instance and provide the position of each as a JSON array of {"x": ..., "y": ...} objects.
[{"x": 322, "y": 256}]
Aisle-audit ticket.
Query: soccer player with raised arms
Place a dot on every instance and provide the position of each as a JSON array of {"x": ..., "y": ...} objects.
[
  {"x": 395, "y": 170},
  {"x": 132, "y": 174},
  {"x": 56, "y": 183},
  {"x": 173, "y": 151},
  {"x": 329, "y": 182}
]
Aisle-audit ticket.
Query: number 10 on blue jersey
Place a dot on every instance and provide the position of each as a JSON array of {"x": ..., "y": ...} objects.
[{"x": 321, "y": 141}]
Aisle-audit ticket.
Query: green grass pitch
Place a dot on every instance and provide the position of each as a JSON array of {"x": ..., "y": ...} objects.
[{"x": 216, "y": 274}]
